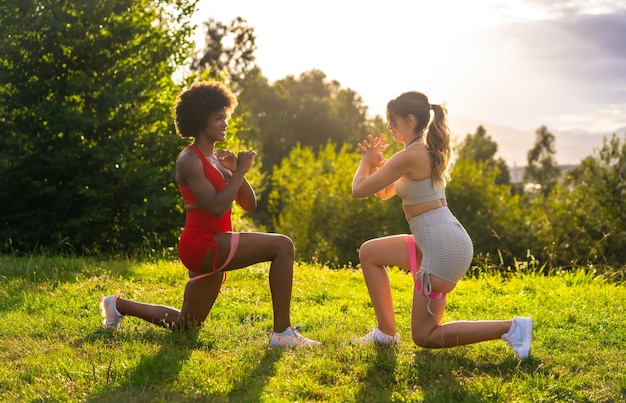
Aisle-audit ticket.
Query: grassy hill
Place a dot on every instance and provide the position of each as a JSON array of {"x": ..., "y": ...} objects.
[{"x": 55, "y": 350}]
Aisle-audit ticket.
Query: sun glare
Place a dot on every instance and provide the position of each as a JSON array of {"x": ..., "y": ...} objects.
[{"x": 470, "y": 54}]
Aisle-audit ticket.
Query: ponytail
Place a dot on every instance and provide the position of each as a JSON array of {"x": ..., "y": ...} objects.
[{"x": 438, "y": 143}]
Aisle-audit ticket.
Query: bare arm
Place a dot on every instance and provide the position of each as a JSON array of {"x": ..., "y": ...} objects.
[
  {"x": 246, "y": 197},
  {"x": 375, "y": 174},
  {"x": 192, "y": 172},
  {"x": 387, "y": 192}
]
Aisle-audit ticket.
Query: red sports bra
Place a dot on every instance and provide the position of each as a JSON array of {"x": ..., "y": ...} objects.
[{"x": 210, "y": 172}]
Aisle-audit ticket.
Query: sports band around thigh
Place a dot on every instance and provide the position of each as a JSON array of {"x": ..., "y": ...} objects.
[
  {"x": 419, "y": 285},
  {"x": 234, "y": 243}
]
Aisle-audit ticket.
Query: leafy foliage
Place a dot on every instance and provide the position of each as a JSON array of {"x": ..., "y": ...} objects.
[
  {"x": 309, "y": 111},
  {"x": 311, "y": 202},
  {"x": 228, "y": 50},
  {"x": 88, "y": 147},
  {"x": 542, "y": 169},
  {"x": 587, "y": 215},
  {"x": 481, "y": 147}
]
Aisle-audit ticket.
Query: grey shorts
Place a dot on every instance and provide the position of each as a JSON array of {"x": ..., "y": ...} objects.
[{"x": 446, "y": 247}]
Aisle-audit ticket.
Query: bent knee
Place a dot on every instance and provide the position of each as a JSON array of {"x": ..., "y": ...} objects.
[
  {"x": 420, "y": 341},
  {"x": 367, "y": 250},
  {"x": 186, "y": 324},
  {"x": 285, "y": 245},
  {"x": 425, "y": 340}
]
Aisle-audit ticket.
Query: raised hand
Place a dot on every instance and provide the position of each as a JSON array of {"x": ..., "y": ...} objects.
[
  {"x": 372, "y": 150},
  {"x": 244, "y": 160},
  {"x": 377, "y": 143},
  {"x": 228, "y": 159}
]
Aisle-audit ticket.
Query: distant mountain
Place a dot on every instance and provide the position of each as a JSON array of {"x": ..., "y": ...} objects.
[{"x": 513, "y": 144}]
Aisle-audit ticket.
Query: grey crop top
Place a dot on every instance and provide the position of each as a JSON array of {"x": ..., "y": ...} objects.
[{"x": 417, "y": 192}]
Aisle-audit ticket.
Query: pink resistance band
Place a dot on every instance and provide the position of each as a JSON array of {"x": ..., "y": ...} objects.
[
  {"x": 418, "y": 285},
  {"x": 234, "y": 242}
]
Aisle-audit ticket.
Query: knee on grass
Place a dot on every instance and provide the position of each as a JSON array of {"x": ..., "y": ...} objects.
[
  {"x": 183, "y": 325},
  {"x": 425, "y": 340}
]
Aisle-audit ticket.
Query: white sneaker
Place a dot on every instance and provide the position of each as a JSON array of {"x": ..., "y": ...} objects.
[
  {"x": 290, "y": 338},
  {"x": 520, "y": 339},
  {"x": 377, "y": 336},
  {"x": 108, "y": 310}
]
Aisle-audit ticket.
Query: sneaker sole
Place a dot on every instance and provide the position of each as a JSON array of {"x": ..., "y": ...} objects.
[
  {"x": 276, "y": 345},
  {"x": 527, "y": 325},
  {"x": 375, "y": 342},
  {"x": 103, "y": 313}
]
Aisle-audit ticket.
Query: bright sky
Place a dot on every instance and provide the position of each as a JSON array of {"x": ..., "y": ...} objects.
[{"x": 518, "y": 63}]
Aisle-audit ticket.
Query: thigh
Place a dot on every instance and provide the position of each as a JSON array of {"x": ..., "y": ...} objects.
[
  {"x": 253, "y": 247},
  {"x": 389, "y": 251}
]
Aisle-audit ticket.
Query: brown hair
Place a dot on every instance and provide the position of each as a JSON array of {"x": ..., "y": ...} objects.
[
  {"x": 194, "y": 105},
  {"x": 436, "y": 133}
]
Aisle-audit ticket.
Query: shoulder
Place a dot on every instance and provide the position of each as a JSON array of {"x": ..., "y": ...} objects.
[
  {"x": 410, "y": 156},
  {"x": 186, "y": 154},
  {"x": 187, "y": 160},
  {"x": 398, "y": 164},
  {"x": 413, "y": 162},
  {"x": 418, "y": 154}
]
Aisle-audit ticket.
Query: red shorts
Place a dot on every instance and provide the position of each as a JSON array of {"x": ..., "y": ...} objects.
[
  {"x": 198, "y": 238},
  {"x": 193, "y": 247}
]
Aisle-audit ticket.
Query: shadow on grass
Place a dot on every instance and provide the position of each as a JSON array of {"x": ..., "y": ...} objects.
[
  {"x": 436, "y": 376},
  {"x": 380, "y": 378},
  {"x": 442, "y": 374},
  {"x": 149, "y": 379},
  {"x": 250, "y": 387}
]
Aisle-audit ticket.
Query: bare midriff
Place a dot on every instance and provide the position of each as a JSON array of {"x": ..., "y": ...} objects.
[{"x": 413, "y": 210}]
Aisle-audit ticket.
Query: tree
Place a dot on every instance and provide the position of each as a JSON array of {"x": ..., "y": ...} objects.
[
  {"x": 542, "y": 169},
  {"x": 88, "y": 146},
  {"x": 587, "y": 214},
  {"x": 229, "y": 51},
  {"x": 306, "y": 112},
  {"x": 482, "y": 148},
  {"x": 309, "y": 111}
]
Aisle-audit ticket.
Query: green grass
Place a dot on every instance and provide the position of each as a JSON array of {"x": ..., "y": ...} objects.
[{"x": 53, "y": 347}]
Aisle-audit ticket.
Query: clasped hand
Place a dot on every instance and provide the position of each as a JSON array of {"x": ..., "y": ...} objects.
[
  {"x": 232, "y": 162},
  {"x": 372, "y": 150}
]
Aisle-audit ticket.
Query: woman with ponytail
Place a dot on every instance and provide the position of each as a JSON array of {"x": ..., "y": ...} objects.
[{"x": 438, "y": 252}]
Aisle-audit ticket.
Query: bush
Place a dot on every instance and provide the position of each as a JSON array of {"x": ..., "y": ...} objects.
[{"x": 311, "y": 202}]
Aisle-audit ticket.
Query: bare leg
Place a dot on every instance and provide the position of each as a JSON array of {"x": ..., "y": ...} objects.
[
  {"x": 427, "y": 331},
  {"x": 374, "y": 255},
  {"x": 200, "y": 295},
  {"x": 262, "y": 247}
]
